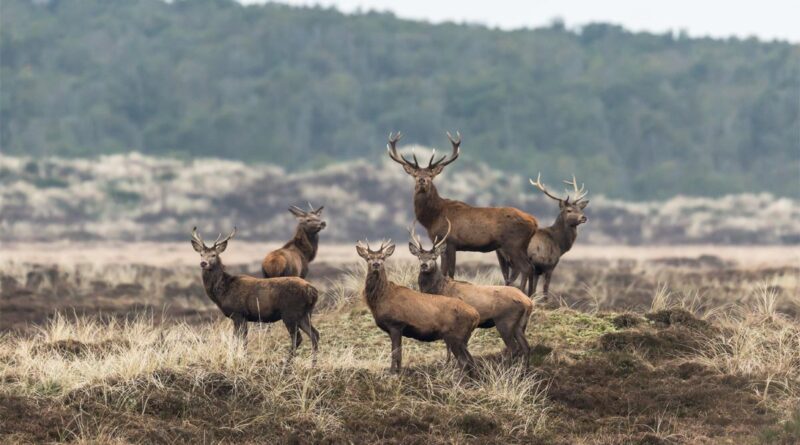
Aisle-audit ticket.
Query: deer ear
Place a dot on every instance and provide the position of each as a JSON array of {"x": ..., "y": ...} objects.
[
  {"x": 413, "y": 249},
  {"x": 561, "y": 204},
  {"x": 362, "y": 252},
  {"x": 221, "y": 247},
  {"x": 436, "y": 170},
  {"x": 297, "y": 212},
  {"x": 197, "y": 246},
  {"x": 388, "y": 251},
  {"x": 439, "y": 250},
  {"x": 583, "y": 204},
  {"x": 409, "y": 169}
]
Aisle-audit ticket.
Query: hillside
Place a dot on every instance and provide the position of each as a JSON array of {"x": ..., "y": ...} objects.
[
  {"x": 637, "y": 115},
  {"x": 138, "y": 198}
]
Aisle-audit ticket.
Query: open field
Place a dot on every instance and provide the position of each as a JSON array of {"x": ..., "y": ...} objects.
[{"x": 650, "y": 346}]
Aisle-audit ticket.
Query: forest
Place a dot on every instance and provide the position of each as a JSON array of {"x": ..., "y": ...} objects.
[{"x": 637, "y": 116}]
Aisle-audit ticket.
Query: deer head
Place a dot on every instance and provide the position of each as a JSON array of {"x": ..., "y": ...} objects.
[
  {"x": 209, "y": 256},
  {"x": 571, "y": 207},
  {"x": 375, "y": 259},
  {"x": 423, "y": 176},
  {"x": 427, "y": 258},
  {"x": 310, "y": 221}
]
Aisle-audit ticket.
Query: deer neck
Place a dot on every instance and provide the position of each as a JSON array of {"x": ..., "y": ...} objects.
[
  {"x": 375, "y": 287},
  {"x": 306, "y": 243},
  {"x": 432, "y": 282},
  {"x": 217, "y": 282},
  {"x": 428, "y": 206},
  {"x": 564, "y": 234}
]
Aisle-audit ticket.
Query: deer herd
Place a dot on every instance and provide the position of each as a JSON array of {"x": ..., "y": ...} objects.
[{"x": 443, "y": 308}]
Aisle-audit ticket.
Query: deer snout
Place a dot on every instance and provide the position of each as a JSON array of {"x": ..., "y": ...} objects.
[
  {"x": 583, "y": 219},
  {"x": 376, "y": 265},
  {"x": 323, "y": 224},
  {"x": 203, "y": 264},
  {"x": 423, "y": 267}
]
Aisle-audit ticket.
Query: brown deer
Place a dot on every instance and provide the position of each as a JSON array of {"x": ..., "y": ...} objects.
[
  {"x": 403, "y": 312},
  {"x": 477, "y": 229},
  {"x": 242, "y": 298},
  {"x": 549, "y": 244},
  {"x": 292, "y": 259},
  {"x": 503, "y": 307}
]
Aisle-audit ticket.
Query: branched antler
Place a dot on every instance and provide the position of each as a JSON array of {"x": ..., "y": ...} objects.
[{"x": 580, "y": 193}]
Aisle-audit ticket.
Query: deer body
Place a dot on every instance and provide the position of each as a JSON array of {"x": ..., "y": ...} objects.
[
  {"x": 479, "y": 229},
  {"x": 403, "y": 312},
  {"x": 548, "y": 245},
  {"x": 503, "y": 307},
  {"x": 246, "y": 299},
  {"x": 293, "y": 258}
]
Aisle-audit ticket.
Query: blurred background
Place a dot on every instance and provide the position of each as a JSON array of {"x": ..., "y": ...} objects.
[{"x": 136, "y": 120}]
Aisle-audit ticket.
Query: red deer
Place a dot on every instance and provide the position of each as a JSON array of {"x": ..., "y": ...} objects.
[
  {"x": 243, "y": 299},
  {"x": 292, "y": 259},
  {"x": 549, "y": 244},
  {"x": 506, "y": 308},
  {"x": 403, "y": 312},
  {"x": 477, "y": 229}
]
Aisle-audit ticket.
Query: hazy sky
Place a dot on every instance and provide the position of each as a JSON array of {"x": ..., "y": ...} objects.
[{"x": 766, "y": 19}]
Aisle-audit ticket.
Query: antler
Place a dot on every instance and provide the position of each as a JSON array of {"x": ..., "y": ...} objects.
[
  {"x": 580, "y": 193},
  {"x": 385, "y": 244},
  {"x": 218, "y": 241},
  {"x": 538, "y": 184},
  {"x": 196, "y": 237},
  {"x": 437, "y": 242},
  {"x": 456, "y": 143},
  {"x": 391, "y": 147},
  {"x": 413, "y": 234}
]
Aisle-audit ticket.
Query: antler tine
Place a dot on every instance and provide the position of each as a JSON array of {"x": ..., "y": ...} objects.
[
  {"x": 196, "y": 236},
  {"x": 538, "y": 184},
  {"x": 456, "y": 143},
  {"x": 227, "y": 238},
  {"x": 580, "y": 193},
  {"x": 310, "y": 207},
  {"x": 413, "y": 234},
  {"x": 438, "y": 242},
  {"x": 391, "y": 147}
]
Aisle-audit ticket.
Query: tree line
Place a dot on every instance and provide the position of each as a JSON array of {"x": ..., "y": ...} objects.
[{"x": 636, "y": 115}]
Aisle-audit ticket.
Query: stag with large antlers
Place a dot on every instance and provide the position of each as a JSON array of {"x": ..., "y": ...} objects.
[
  {"x": 503, "y": 307},
  {"x": 477, "y": 229},
  {"x": 292, "y": 259},
  {"x": 549, "y": 244},
  {"x": 244, "y": 299},
  {"x": 403, "y": 312}
]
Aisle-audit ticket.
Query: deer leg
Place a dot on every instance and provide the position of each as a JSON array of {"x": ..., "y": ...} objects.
[
  {"x": 240, "y": 329},
  {"x": 506, "y": 331},
  {"x": 546, "y": 288},
  {"x": 521, "y": 264},
  {"x": 534, "y": 281},
  {"x": 519, "y": 335},
  {"x": 397, "y": 350},
  {"x": 294, "y": 336},
  {"x": 449, "y": 261},
  {"x": 504, "y": 266},
  {"x": 313, "y": 334}
]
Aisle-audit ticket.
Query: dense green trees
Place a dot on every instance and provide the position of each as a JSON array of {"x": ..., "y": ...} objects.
[{"x": 635, "y": 115}]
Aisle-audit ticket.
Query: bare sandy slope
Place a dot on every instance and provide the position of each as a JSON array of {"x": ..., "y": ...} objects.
[{"x": 243, "y": 252}]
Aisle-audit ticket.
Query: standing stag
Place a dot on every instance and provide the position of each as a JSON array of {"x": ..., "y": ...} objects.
[
  {"x": 549, "y": 244},
  {"x": 403, "y": 312},
  {"x": 292, "y": 259},
  {"x": 503, "y": 307},
  {"x": 477, "y": 229},
  {"x": 242, "y": 298}
]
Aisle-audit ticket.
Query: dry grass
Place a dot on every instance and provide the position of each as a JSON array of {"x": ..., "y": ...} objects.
[{"x": 730, "y": 374}]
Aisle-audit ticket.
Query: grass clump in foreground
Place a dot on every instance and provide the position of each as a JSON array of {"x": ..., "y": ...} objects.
[{"x": 672, "y": 376}]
